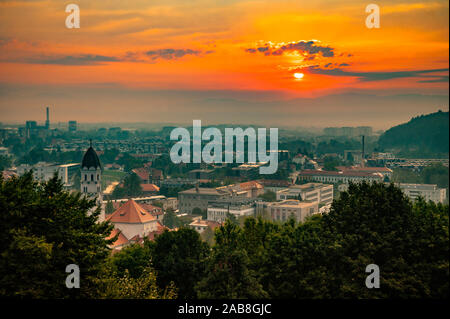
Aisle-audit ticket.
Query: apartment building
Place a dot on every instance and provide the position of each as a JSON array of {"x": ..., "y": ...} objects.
[
  {"x": 282, "y": 211},
  {"x": 427, "y": 191},
  {"x": 316, "y": 192},
  {"x": 219, "y": 210}
]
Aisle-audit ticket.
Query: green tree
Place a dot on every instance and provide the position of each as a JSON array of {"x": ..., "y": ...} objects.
[
  {"x": 170, "y": 219},
  {"x": 42, "y": 230},
  {"x": 132, "y": 260},
  {"x": 142, "y": 287},
  {"x": 200, "y": 212},
  {"x": 268, "y": 196},
  {"x": 179, "y": 256},
  {"x": 228, "y": 274},
  {"x": 132, "y": 185},
  {"x": 5, "y": 162},
  {"x": 208, "y": 236},
  {"x": 109, "y": 208},
  {"x": 375, "y": 223}
]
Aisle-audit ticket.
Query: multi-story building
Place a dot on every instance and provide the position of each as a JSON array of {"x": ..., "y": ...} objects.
[
  {"x": 219, "y": 210},
  {"x": 385, "y": 171},
  {"x": 339, "y": 176},
  {"x": 72, "y": 126},
  {"x": 426, "y": 191},
  {"x": 198, "y": 197},
  {"x": 249, "y": 189},
  {"x": 317, "y": 192},
  {"x": 282, "y": 211},
  {"x": 43, "y": 171}
]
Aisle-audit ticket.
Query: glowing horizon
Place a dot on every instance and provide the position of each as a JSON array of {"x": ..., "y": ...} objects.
[{"x": 208, "y": 53}]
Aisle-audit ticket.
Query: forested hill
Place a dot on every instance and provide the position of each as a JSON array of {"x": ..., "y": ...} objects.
[{"x": 423, "y": 136}]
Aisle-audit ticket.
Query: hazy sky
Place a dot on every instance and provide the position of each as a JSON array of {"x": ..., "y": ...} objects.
[{"x": 224, "y": 61}]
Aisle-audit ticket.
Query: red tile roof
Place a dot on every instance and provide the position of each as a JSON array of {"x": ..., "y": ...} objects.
[
  {"x": 150, "y": 188},
  {"x": 131, "y": 212},
  {"x": 121, "y": 240},
  {"x": 274, "y": 183},
  {"x": 150, "y": 236},
  {"x": 141, "y": 172},
  {"x": 154, "y": 210},
  {"x": 250, "y": 185}
]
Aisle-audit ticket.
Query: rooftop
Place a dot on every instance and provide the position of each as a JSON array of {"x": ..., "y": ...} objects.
[{"x": 131, "y": 213}]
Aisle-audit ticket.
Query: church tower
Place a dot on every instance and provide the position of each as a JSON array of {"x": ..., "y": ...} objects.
[{"x": 91, "y": 174}]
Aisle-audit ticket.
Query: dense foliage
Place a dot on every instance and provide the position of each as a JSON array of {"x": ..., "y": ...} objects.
[
  {"x": 422, "y": 136},
  {"x": 434, "y": 174},
  {"x": 44, "y": 228}
]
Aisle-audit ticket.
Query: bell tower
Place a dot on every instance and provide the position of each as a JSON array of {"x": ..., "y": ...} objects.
[{"x": 91, "y": 174}]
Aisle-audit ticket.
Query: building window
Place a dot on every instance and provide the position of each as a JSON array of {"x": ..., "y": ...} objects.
[{"x": 92, "y": 177}]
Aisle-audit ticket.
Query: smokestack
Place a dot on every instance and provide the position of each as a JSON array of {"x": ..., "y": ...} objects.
[
  {"x": 47, "y": 122},
  {"x": 362, "y": 153}
]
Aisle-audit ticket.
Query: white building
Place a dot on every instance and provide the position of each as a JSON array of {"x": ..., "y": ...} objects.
[
  {"x": 282, "y": 211},
  {"x": 219, "y": 210},
  {"x": 200, "y": 225},
  {"x": 340, "y": 176},
  {"x": 317, "y": 192},
  {"x": 133, "y": 220},
  {"x": 43, "y": 171},
  {"x": 427, "y": 191}
]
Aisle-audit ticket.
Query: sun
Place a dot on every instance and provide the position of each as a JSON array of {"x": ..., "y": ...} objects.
[{"x": 298, "y": 76}]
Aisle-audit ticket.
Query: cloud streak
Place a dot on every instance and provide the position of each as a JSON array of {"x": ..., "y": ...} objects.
[
  {"x": 83, "y": 59},
  {"x": 95, "y": 59},
  {"x": 381, "y": 76},
  {"x": 171, "y": 54}
]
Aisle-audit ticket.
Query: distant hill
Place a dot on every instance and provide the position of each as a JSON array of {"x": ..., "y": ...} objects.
[{"x": 423, "y": 136}]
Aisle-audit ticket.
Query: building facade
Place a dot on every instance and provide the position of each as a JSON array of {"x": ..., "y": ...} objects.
[
  {"x": 340, "y": 176},
  {"x": 219, "y": 210},
  {"x": 91, "y": 174},
  {"x": 282, "y": 211},
  {"x": 317, "y": 192},
  {"x": 429, "y": 192}
]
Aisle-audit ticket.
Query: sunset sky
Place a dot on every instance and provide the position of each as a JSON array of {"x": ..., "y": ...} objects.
[{"x": 224, "y": 61}]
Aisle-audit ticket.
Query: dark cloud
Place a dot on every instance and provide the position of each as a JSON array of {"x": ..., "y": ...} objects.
[
  {"x": 312, "y": 48},
  {"x": 436, "y": 79},
  {"x": 95, "y": 59},
  {"x": 170, "y": 54},
  {"x": 84, "y": 59},
  {"x": 380, "y": 76}
]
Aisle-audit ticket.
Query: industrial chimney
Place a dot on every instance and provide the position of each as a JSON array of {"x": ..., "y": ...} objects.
[{"x": 47, "y": 122}]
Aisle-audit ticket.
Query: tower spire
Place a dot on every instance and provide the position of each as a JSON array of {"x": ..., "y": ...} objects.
[{"x": 90, "y": 142}]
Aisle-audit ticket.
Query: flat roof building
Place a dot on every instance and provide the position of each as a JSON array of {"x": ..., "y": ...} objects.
[
  {"x": 429, "y": 192},
  {"x": 317, "y": 192}
]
